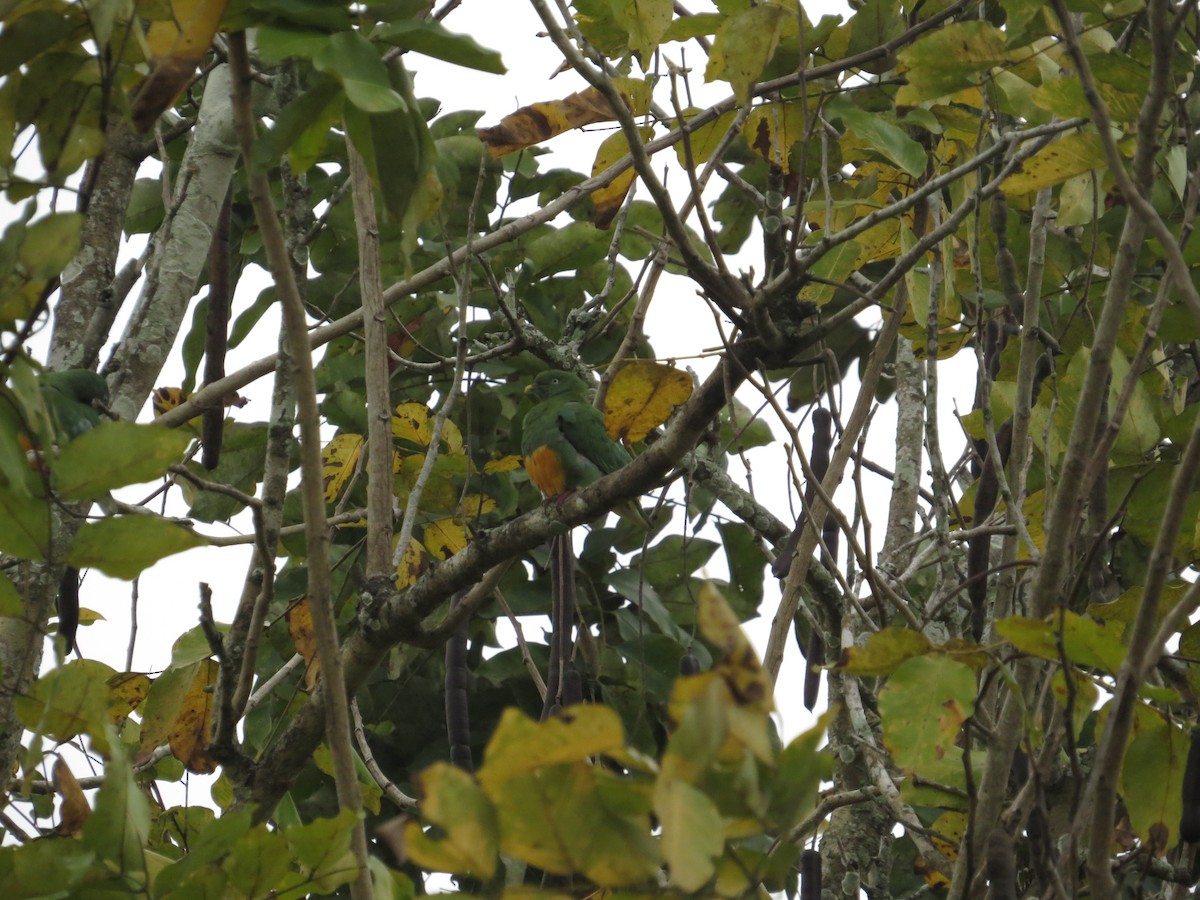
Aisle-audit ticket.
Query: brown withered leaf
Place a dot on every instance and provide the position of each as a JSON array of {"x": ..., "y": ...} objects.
[
  {"x": 192, "y": 732},
  {"x": 539, "y": 122},
  {"x": 300, "y": 627},
  {"x": 74, "y": 810}
]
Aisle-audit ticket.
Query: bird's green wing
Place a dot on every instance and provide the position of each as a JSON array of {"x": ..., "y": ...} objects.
[{"x": 583, "y": 427}]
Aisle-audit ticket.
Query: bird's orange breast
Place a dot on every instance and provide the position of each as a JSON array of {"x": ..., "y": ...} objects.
[{"x": 546, "y": 471}]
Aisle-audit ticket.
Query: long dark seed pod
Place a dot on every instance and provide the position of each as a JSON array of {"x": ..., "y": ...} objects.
[
  {"x": 458, "y": 716},
  {"x": 814, "y": 658},
  {"x": 810, "y": 875},
  {"x": 1189, "y": 822},
  {"x": 572, "y": 686},
  {"x": 216, "y": 335},
  {"x": 68, "y": 607},
  {"x": 1001, "y": 865},
  {"x": 822, "y": 444}
]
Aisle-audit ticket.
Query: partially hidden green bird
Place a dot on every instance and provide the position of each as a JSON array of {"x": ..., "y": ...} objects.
[
  {"x": 69, "y": 399},
  {"x": 563, "y": 440}
]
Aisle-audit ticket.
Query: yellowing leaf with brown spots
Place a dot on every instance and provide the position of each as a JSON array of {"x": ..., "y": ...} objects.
[
  {"x": 739, "y": 667},
  {"x": 773, "y": 129},
  {"x": 165, "y": 399},
  {"x": 177, "y": 46},
  {"x": 74, "y": 809},
  {"x": 445, "y": 537},
  {"x": 641, "y": 398},
  {"x": 1066, "y": 157},
  {"x": 413, "y": 563},
  {"x": 190, "y": 735},
  {"x": 474, "y": 505},
  {"x": 412, "y": 422},
  {"x": 126, "y": 691},
  {"x": 300, "y": 627},
  {"x": 606, "y": 201},
  {"x": 338, "y": 460},
  {"x": 539, "y": 122}
]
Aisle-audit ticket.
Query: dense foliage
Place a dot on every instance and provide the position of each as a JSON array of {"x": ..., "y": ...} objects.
[{"x": 1011, "y": 672}]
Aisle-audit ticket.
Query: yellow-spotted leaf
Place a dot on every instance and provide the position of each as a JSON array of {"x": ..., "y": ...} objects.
[
  {"x": 413, "y": 423},
  {"x": 606, "y": 201},
  {"x": 126, "y": 691},
  {"x": 509, "y": 463},
  {"x": 474, "y": 505},
  {"x": 445, "y": 537},
  {"x": 191, "y": 734},
  {"x": 412, "y": 564},
  {"x": 338, "y": 459},
  {"x": 641, "y": 397},
  {"x": 1067, "y": 157},
  {"x": 743, "y": 47}
]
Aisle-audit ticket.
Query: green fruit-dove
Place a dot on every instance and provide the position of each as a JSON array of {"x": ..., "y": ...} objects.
[
  {"x": 564, "y": 441},
  {"x": 69, "y": 397}
]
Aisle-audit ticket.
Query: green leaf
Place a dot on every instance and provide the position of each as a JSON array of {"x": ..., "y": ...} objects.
[
  {"x": 125, "y": 546},
  {"x": 1151, "y": 782},
  {"x": 28, "y": 36},
  {"x": 743, "y": 47},
  {"x": 50, "y": 243},
  {"x": 308, "y": 111},
  {"x": 646, "y": 22},
  {"x": 26, "y": 531},
  {"x": 922, "y": 707},
  {"x": 953, "y": 57},
  {"x": 350, "y": 58},
  {"x": 68, "y": 701},
  {"x": 520, "y": 745},
  {"x": 889, "y": 139},
  {"x": 11, "y": 604},
  {"x": 163, "y": 704},
  {"x": 434, "y": 39},
  {"x": 322, "y": 848},
  {"x": 884, "y": 651},
  {"x": 119, "y": 826},
  {"x": 832, "y": 269},
  {"x": 257, "y": 863},
  {"x": 115, "y": 454},
  {"x": 697, "y": 24},
  {"x": 1085, "y": 642},
  {"x": 574, "y": 246},
  {"x": 45, "y": 868},
  {"x": 693, "y": 833}
]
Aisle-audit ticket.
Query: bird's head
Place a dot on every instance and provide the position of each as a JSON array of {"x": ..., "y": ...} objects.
[{"x": 555, "y": 384}]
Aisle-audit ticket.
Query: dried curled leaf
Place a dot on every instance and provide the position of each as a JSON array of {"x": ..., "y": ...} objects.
[
  {"x": 539, "y": 122},
  {"x": 641, "y": 398}
]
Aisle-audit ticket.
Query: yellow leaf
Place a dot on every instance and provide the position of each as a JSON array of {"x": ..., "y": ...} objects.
[
  {"x": 606, "y": 201},
  {"x": 509, "y": 463},
  {"x": 1065, "y": 158},
  {"x": 474, "y": 505},
  {"x": 413, "y": 423},
  {"x": 519, "y": 745},
  {"x": 338, "y": 460},
  {"x": 445, "y": 537},
  {"x": 413, "y": 563},
  {"x": 641, "y": 398},
  {"x": 190, "y": 735},
  {"x": 126, "y": 691},
  {"x": 470, "y": 839},
  {"x": 773, "y": 129},
  {"x": 740, "y": 668},
  {"x": 177, "y": 46},
  {"x": 300, "y": 627}
]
